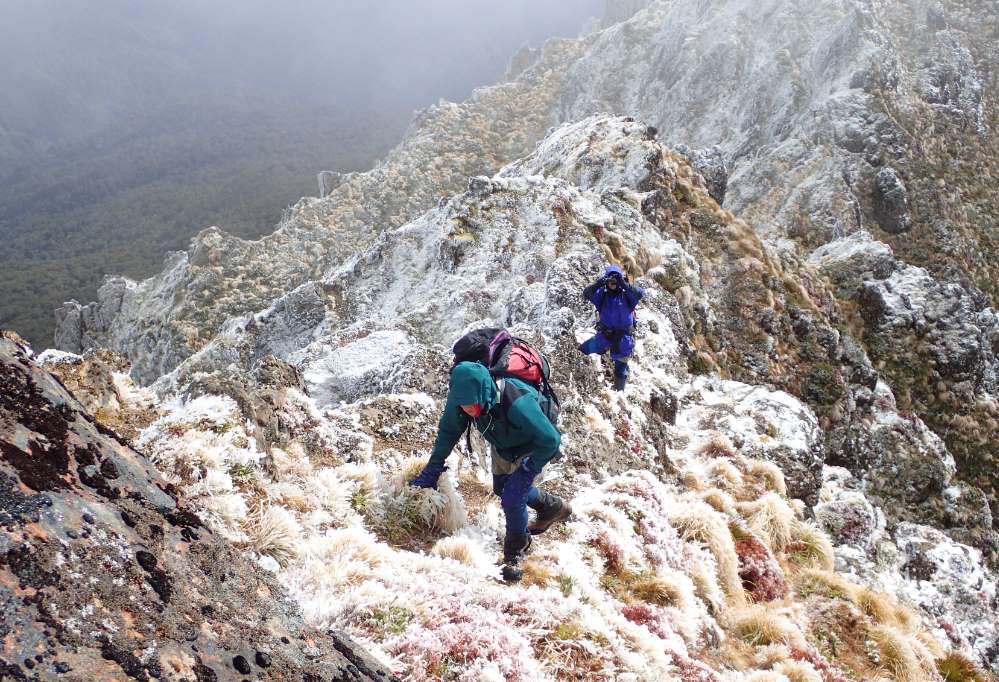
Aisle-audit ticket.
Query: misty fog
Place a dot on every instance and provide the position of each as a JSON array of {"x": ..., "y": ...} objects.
[
  {"x": 126, "y": 126},
  {"x": 73, "y": 66}
]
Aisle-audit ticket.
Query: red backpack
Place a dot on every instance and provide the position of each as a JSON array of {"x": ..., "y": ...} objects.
[{"x": 508, "y": 356}]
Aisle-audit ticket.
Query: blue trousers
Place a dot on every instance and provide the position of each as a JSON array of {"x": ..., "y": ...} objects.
[
  {"x": 516, "y": 517},
  {"x": 600, "y": 344}
]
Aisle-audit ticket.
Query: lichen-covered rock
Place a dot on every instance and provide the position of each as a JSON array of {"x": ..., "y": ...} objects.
[
  {"x": 100, "y": 380},
  {"x": 105, "y": 575}
]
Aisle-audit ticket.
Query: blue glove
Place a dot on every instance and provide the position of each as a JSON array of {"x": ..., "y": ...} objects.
[
  {"x": 428, "y": 477},
  {"x": 519, "y": 484}
]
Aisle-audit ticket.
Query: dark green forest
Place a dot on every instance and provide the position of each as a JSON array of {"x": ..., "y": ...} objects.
[{"x": 118, "y": 201}]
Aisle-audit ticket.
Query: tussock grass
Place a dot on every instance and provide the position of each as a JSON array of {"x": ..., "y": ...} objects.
[
  {"x": 700, "y": 523},
  {"x": 463, "y": 550},
  {"x": 798, "y": 671},
  {"x": 823, "y": 583},
  {"x": 726, "y": 474},
  {"x": 536, "y": 573},
  {"x": 719, "y": 500},
  {"x": 717, "y": 445},
  {"x": 405, "y": 513},
  {"x": 897, "y": 657},
  {"x": 769, "y": 473},
  {"x": 273, "y": 531},
  {"x": 693, "y": 479},
  {"x": 761, "y": 626},
  {"x": 956, "y": 667},
  {"x": 771, "y": 518},
  {"x": 290, "y": 495},
  {"x": 810, "y": 546}
]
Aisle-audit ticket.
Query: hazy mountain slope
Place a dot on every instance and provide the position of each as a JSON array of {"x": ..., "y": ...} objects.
[
  {"x": 128, "y": 127},
  {"x": 120, "y": 201}
]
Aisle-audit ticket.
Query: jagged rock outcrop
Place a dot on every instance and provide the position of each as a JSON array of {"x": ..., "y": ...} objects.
[
  {"x": 935, "y": 343},
  {"x": 104, "y": 574}
]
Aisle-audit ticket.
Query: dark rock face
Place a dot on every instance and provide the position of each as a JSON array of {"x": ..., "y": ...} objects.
[
  {"x": 104, "y": 575},
  {"x": 891, "y": 202},
  {"x": 710, "y": 163}
]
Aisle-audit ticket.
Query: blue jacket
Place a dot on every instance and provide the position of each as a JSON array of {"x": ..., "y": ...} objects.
[{"x": 616, "y": 308}]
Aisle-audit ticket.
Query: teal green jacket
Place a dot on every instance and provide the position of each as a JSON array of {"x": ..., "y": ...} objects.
[{"x": 524, "y": 430}]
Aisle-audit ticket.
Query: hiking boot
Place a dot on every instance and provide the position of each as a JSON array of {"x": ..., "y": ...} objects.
[
  {"x": 550, "y": 510},
  {"x": 515, "y": 546},
  {"x": 620, "y": 383}
]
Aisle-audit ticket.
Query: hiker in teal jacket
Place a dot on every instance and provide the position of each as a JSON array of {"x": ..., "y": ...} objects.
[{"x": 523, "y": 440}]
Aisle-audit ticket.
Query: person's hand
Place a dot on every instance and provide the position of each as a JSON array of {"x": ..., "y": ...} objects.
[{"x": 429, "y": 476}]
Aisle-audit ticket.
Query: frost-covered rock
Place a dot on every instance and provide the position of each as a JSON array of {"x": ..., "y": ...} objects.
[
  {"x": 710, "y": 163},
  {"x": 947, "y": 580},
  {"x": 760, "y": 423},
  {"x": 852, "y": 260}
]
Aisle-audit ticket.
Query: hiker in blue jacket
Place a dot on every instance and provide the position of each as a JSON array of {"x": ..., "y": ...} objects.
[
  {"x": 616, "y": 300},
  {"x": 523, "y": 440}
]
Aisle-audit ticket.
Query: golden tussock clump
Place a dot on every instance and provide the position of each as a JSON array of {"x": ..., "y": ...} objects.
[
  {"x": 798, "y": 671},
  {"x": 405, "y": 511},
  {"x": 769, "y": 473},
  {"x": 693, "y": 479},
  {"x": 273, "y": 531},
  {"x": 719, "y": 500},
  {"x": 726, "y": 474},
  {"x": 810, "y": 546},
  {"x": 772, "y": 518},
  {"x": 884, "y": 610},
  {"x": 696, "y": 521},
  {"x": 902, "y": 658},
  {"x": 824, "y": 583},
  {"x": 717, "y": 445},
  {"x": 289, "y": 495},
  {"x": 463, "y": 550},
  {"x": 956, "y": 667},
  {"x": 761, "y": 625}
]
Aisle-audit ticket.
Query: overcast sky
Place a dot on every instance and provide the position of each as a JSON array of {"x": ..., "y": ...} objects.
[{"x": 68, "y": 64}]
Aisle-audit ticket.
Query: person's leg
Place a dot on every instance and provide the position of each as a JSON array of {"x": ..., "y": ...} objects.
[
  {"x": 517, "y": 540},
  {"x": 533, "y": 495},
  {"x": 550, "y": 510},
  {"x": 595, "y": 344},
  {"x": 621, "y": 356}
]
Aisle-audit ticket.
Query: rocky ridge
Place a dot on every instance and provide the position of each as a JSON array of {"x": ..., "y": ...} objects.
[
  {"x": 699, "y": 499},
  {"x": 882, "y": 123}
]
